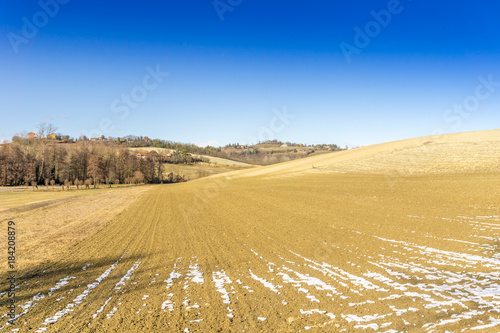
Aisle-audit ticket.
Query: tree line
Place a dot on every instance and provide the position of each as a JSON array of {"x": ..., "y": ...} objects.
[
  {"x": 84, "y": 163},
  {"x": 255, "y": 154}
]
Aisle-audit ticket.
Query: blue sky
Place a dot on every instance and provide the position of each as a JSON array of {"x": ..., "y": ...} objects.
[{"x": 233, "y": 65}]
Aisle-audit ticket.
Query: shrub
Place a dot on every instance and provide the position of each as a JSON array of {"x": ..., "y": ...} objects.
[{"x": 87, "y": 182}]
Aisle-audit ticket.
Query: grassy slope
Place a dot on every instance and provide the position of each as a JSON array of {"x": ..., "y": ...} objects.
[
  {"x": 148, "y": 149},
  {"x": 452, "y": 153},
  {"x": 197, "y": 170},
  {"x": 215, "y": 160},
  {"x": 46, "y": 228},
  {"x": 225, "y": 162},
  {"x": 21, "y": 196}
]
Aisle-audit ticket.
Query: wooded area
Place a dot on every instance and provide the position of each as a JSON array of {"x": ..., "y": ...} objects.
[
  {"x": 42, "y": 162},
  {"x": 49, "y": 158}
]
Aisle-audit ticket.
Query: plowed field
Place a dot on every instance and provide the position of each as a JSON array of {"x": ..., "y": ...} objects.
[{"x": 321, "y": 252}]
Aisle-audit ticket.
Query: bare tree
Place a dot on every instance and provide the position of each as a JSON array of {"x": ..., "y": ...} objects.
[
  {"x": 139, "y": 176},
  {"x": 95, "y": 168},
  {"x": 45, "y": 129},
  {"x": 170, "y": 177},
  {"x": 111, "y": 179}
]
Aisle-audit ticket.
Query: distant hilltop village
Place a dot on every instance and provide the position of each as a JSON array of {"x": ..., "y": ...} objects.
[
  {"x": 64, "y": 138},
  {"x": 53, "y": 136},
  {"x": 144, "y": 148}
]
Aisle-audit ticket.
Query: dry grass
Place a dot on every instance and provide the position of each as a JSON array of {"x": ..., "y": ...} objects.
[
  {"x": 148, "y": 149},
  {"x": 11, "y": 197},
  {"x": 453, "y": 153},
  {"x": 46, "y": 227},
  {"x": 225, "y": 162},
  {"x": 196, "y": 171},
  {"x": 214, "y": 160}
]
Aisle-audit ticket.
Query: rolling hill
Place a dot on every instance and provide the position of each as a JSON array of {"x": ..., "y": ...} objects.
[
  {"x": 402, "y": 236},
  {"x": 452, "y": 153}
]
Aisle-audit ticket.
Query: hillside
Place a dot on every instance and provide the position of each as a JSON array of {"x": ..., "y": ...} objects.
[
  {"x": 284, "y": 248},
  {"x": 148, "y": 149},
  {"x": 224, "y": 161},
  {"x": 452, "y": 153},
  {"x": 212, "y": 159}
]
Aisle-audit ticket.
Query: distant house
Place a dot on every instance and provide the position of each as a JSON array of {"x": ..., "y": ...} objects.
[
  {"x": 52, "y": 136},
  {"x": 31, "y": 135},
  {"x": 100, "y": 139},
  {"x": 141, "y": 155}
]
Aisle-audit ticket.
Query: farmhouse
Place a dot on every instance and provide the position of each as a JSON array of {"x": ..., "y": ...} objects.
[
  {"x": 100, "y": 139},
  {"x": 52, "y": 136}
]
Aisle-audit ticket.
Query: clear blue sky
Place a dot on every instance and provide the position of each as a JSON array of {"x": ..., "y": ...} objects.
[{"x": 227, "y": 77}]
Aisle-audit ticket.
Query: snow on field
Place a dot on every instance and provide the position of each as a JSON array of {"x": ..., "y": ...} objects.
[
  {"x": 493, "y": 322},
  {"x": 220, "y": 280},
  {"x": 306, "y": 280},
  {"x": 80, "y": 298},
  {"x": 94, "y": 316},
  {"x": 173, "y": 275},
  {"x": 313, "y": 311},
  {"x": 127, "y": 276},
  {"x": 195, "y": 274},
  {"x": 196, "y": 320},
  {"x": 266, "y": 284},
  {"x": 460, "y": 285},
  {"x": 60, "y": 284},
  {"x": 385, "y": 290},
  {"x": 405, "y": 273},
  {"x": 26, "y": 307},
  {"x": 168, "y": 304},
  {"x": 111, "y": 313},
  {"x": 33, "y": 302}
]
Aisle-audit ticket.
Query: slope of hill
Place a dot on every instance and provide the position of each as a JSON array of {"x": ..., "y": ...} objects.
[
  {"x": 148, "y": 149},
  {"x": 214, "y": 160},
  {"x": 461, "y": 152},
  {"x": 325, "y": 252},
  {"x": 224, "y": 161}
]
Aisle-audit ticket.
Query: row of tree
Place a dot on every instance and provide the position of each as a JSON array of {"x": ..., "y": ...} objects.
[{"x": 43, "y": 162}]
